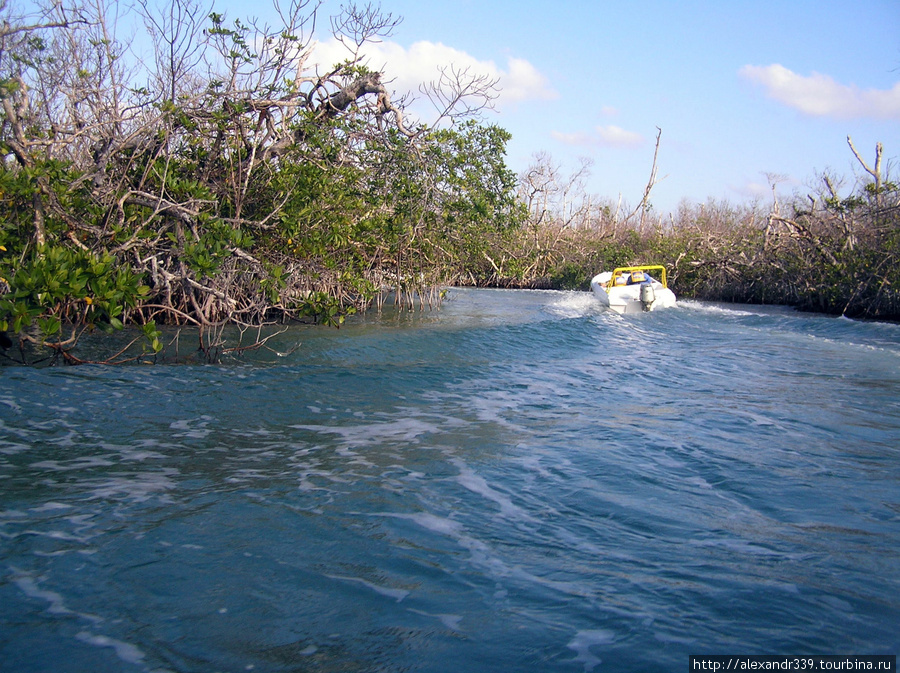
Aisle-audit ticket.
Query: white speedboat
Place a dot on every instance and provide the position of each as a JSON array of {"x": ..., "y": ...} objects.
[{"x": 633, "y": 289}]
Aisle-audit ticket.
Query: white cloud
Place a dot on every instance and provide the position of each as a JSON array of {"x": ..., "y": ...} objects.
[
  {"x": 756, "y": 189},
  {"x": 819, "y": 95},
  {"x": 572, "y": 138},
  {"x": 752, "y": 189},
  {"x": 406, "y": 69},
  {"x": 524, "y": 82},
  {"x": 614, "y": 136},
  {"x": 603, "y": 136}
]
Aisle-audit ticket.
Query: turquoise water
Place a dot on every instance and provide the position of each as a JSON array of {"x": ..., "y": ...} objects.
[{"x": 514, "y": 482}]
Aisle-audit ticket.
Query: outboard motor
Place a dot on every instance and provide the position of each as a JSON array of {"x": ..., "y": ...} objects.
[{"x": 648, "y": 296}]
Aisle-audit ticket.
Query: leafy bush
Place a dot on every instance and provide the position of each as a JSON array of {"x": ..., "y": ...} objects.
[{"x": 57, "y": 287}]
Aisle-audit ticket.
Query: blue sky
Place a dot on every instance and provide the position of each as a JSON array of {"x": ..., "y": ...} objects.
[{"x": 739, "y": 89}]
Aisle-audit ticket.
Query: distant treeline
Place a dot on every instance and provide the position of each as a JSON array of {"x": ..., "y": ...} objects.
[
  {"x": 830, "y": 249},
  {"x": 230, "y": 181}
]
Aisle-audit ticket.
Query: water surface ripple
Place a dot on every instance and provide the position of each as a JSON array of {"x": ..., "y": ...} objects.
[{"x": 516, "y": 482}]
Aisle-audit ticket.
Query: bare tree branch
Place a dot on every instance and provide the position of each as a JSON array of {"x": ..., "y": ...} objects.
[
  {"x": 458, "y": 93},
  {"x": 874, "y": 172}
]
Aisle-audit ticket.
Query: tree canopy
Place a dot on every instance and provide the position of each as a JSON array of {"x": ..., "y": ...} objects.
[{"x": 229, "y": 178}]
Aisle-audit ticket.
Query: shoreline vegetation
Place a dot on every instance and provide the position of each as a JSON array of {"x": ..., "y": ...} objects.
[{"x": 226, "y": 181}]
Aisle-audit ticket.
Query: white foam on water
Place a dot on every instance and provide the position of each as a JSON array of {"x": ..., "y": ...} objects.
[
  {"x": 720, "y": 309},
  {"x": 53, "y": 535},
  {"x": 63, "y": 410},
  {"x": 125, "y": 651},
  {"x": 63, "y": 552},
  {"x": 745, "y": 548},
  {"x": 838, "y": 604},
  {"x": 699, "y": 482},
  {"x": 307, "y": 486},
  {"x": 397, "y": 594},
  {"x": 432, "y": 522},
  {"x": 397, "y": 430},
  {"x": 575, "y": 305},
  {"x": 137, "y": 452},
  {"x": 247, "y": 474},
  {"x": 29, "y": 587},
  {"x": 11, "y": 449},
  {"x": 584, "y": 641},
  {"x": 675, "y": 640},
  {"x": 50, "y": 507},
  {"x": 477, "y": 484},
  {"x": 11, "y": 404},
  {"x": 354, "y": 458},
  {"x": 195, "y": 428},
  {"x": 494, "y": 407},
  {"x": 83, "y": 463},
  {"x": 67, "y": 440},
  {"x": 483, "y": 556},
  {"x": 450, "y": 621},
  {"x": 581, "y": 543},
  {"x": 134, "y": 487}
]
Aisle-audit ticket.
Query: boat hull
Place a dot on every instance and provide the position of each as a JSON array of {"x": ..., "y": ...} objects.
[{"x": 627, "y": 299}]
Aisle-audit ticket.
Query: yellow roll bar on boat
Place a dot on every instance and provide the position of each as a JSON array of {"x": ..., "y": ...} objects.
[{"x": 628, "y": 269}]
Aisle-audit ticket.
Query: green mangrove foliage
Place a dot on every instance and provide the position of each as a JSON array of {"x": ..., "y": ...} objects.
[{"x": 239, "y": 183}]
